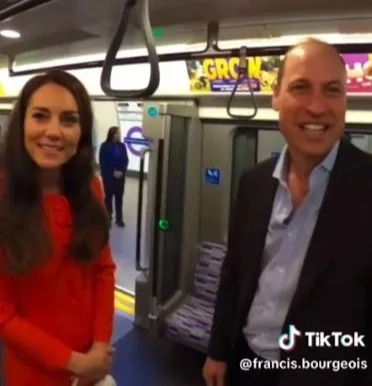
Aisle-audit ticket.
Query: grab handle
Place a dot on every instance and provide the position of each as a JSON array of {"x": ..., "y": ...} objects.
[
  {"x": 114, "y": 48},
  {"x": 242, "y": 73}
]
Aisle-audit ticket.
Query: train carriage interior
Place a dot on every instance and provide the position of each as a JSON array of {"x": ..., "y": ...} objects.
[{"x": 189, "y": 84}]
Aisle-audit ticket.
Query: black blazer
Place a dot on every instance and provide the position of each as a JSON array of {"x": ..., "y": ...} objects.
[{"x": 335, "y": 287}]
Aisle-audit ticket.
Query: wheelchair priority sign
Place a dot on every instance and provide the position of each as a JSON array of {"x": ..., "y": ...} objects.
[
  {"x": 212, "y": 176},
  {"x": 135, "y": 141}
]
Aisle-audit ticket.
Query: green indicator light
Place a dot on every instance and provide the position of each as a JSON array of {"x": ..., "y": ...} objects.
[
  {"x": 158, "y": 32},
  {"x": 164, "y": 224},
  {"x": 152, "y": 111}
]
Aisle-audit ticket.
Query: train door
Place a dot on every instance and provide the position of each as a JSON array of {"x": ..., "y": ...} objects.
[
  {"x": 170, "y": 216},
  {"x": 123, "y": 239}
]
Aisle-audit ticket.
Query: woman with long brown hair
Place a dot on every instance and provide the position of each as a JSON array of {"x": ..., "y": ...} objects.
[{"x": 57, "y": 273}]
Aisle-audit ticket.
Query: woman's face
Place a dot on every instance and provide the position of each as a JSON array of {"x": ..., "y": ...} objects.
[
  {"x": 52, "y": 128},
  {"x": 117, "y": 136}
]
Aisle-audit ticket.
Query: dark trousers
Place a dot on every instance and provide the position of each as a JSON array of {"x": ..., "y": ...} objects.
[
  {"x": 254, "y": 376},
  {"x": 114, "y": 189}
]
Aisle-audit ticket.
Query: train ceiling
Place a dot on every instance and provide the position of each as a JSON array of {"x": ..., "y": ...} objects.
[{"x": 63, "y": 28}]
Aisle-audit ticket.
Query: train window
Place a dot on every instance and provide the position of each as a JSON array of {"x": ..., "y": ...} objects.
[
  {"x": 362, "y": 141},
  {"x": 250, "y": 146},
  {"x": 243, "y": 156},
  {"x": 269, "y": 144}
]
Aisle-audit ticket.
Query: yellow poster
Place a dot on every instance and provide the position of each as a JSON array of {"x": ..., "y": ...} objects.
[
  {"x": 2, "y": 91},
  {"x": 220, "y": 74}
]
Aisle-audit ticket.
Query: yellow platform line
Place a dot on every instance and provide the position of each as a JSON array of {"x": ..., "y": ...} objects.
[
  {"x": 124, "y": 297},
  {"x": 124, "y": 303}
]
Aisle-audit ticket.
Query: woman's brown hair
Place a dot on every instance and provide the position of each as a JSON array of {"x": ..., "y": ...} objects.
[{"x": 22, "y": 232}]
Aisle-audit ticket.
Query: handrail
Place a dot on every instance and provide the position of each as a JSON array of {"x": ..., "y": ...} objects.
[
  {"x": 114, "y": 48},
  {"x": 158, "y": 199},
  {"x": 242, "y": 73},
  {"x": 179, "y": 56},
  {"x": 141, "y": 179},
  {"x": 20, "y": 7}
]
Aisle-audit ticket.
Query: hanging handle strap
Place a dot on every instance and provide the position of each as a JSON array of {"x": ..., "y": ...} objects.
[
  {"x": 114, "y": 48},
  {"x": 242, "y": 73}
]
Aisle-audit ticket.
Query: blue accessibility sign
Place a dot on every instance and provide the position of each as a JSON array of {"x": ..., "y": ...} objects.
[
  {"x": 134, "y": 142},
  {"x": 212, "y": 176}
]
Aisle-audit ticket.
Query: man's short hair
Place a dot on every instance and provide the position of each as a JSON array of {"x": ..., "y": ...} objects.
[{"x": 308, "y": 40}]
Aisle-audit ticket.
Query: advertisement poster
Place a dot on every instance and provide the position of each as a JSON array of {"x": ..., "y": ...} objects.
[
  {"x": 359, "y": 69},
  {"x": 220, "y": 74}
]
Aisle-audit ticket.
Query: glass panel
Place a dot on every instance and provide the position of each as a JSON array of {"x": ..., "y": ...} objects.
[
  {"x": 362, "y": 141},
  {"x": 244, "y": 155},
  {"x": 269, "y": 144},
  {"x": 174, "y": 208}
]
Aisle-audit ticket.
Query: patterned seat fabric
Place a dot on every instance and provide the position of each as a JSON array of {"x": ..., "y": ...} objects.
[{"x": 191, "y": 323}]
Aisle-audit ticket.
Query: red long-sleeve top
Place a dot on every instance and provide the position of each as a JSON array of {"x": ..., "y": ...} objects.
[{"x": 55, "y": 309}]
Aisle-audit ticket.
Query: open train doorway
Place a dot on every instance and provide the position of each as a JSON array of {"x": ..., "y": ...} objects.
[{"x": 124, "y": 233}]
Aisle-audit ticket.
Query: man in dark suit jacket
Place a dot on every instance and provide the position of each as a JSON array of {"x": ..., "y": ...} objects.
[{"x": 299, "y": 259}]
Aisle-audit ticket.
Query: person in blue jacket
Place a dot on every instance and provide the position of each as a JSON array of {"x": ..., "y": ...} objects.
[{"x": 113, "y": 160}]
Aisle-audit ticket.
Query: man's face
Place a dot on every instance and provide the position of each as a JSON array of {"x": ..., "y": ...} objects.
[{"x": 311, "y": 100}]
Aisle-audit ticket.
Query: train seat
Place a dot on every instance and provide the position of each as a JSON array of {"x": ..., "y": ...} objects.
[{"x": 191, "y": 323}]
